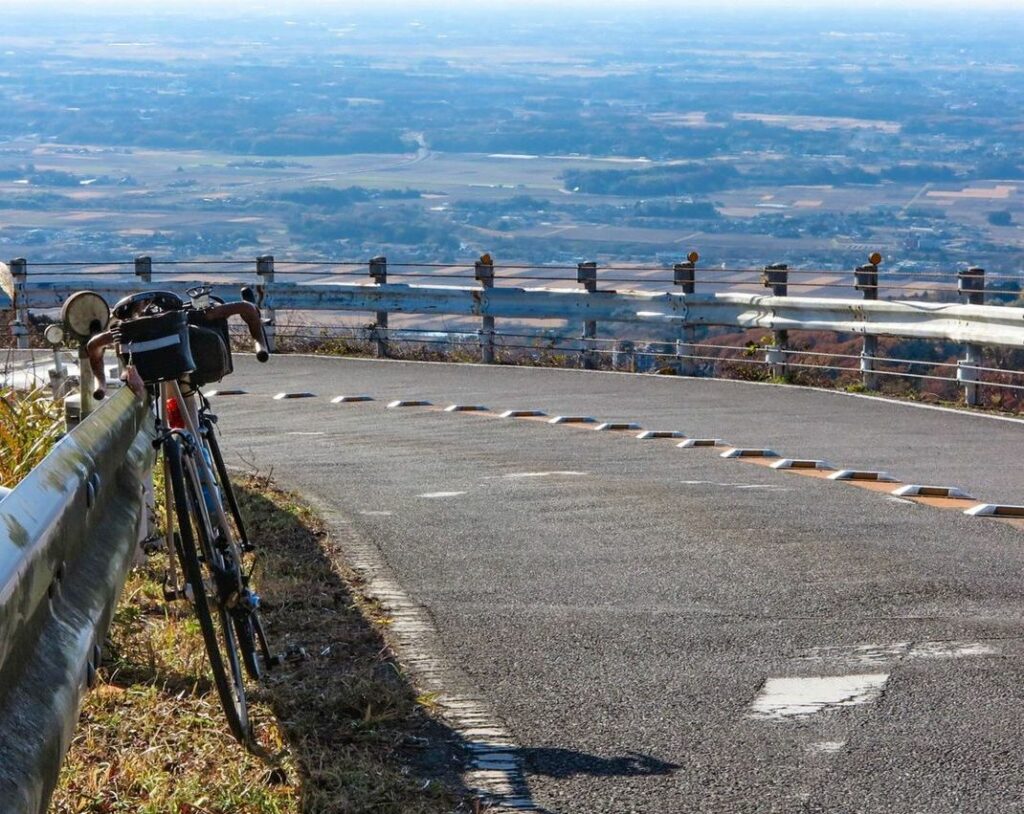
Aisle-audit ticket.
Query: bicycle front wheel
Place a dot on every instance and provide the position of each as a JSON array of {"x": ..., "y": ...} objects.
[{"x": 205, "y": 586}]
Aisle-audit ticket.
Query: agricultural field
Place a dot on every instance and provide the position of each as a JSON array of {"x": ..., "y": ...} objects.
[{"x": 341, "y": 136}]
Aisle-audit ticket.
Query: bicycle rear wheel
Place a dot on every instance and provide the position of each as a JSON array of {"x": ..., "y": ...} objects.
[
  {"x": 252, "y": 639},
  {"x": 220, "y": 471},
  {"x": 206, "y": 579}
]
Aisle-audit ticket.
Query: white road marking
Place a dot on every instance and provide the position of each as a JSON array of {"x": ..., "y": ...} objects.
[
  {"x": 782, "y": 698},
  {"x": 950, "y": 650},
  {"x": 826, "y": 747},
  {"x": 557, "y": 472},
  {"x": 902, "y": 500},
  {"x": 734, "y": 485},
  {"x": 375, "y": 514},
  {"x": 876, "y": 655},
  {"x": 296, "y": 432},
  {"x": 438, "y": 495}
]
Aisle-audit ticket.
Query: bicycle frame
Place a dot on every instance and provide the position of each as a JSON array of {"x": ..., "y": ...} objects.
[{"x": 189, "y": 411}]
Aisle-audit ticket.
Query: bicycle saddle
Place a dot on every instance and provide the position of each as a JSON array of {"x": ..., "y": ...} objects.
[{"x": 146, "y": 303}]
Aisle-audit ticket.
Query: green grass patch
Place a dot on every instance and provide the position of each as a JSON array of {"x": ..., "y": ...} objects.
[{"x": 30, "y": 424}]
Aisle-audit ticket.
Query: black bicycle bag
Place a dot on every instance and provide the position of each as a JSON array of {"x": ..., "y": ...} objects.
[
  {"x": 211, "y": 348},
  {"x": 158, "y": 346}
]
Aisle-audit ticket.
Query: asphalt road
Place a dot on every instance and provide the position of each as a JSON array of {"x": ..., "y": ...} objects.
[{"x": 664, "y": 630}]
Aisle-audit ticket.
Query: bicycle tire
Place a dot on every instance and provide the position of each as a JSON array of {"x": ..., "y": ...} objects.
[
  {"x": 224, "y": 481},
  {"x": 219, "y": 636},
  {"x": 251, "y": 637}
]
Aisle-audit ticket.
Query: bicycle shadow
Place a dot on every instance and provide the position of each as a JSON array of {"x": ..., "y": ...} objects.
[
  {"x": 565, "y": 763},
  {"x": 351, "y": 689}
]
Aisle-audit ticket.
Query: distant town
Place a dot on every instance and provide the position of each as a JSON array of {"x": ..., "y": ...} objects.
[{"x": 563, "y": 140}]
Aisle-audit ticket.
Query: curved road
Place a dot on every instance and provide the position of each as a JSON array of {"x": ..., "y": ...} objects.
[{"x": 662, "y": 629}]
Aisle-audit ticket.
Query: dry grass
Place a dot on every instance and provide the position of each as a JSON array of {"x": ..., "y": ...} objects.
[
  {"x": 341, "y": 732},
  {"x": 30, "y": 424}
]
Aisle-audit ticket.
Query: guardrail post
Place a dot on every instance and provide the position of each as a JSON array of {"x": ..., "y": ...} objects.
[
  {"x": 684, "y": 276},
  {"x": 265, "y": 271},
  {"x": 866, "y": 281},
  {"x": 586, "y": 273},
  {"x": 776, "y": 277},
  {"x": 144, "y": 268},
  {"x": 484, "y": 270},
  {"x": 379, "y": 273},
  {"x": 624, "y": 355},
  {"x": 19, "y": 328},
  {"x": 970, "y": 284}
]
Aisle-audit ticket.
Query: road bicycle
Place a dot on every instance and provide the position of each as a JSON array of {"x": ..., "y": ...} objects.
[{"x": 175, "y": 348}]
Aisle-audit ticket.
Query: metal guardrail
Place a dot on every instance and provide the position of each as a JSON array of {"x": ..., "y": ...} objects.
[
  {"x": 68, "y": 533},
  {"x": 675, "y": 315}
]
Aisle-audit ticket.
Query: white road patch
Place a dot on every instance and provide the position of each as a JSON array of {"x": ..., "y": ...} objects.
[
  {"x": 826, "y": 747},
  {"x": 782, "y": 698},
  {"x": 376, "y": 513},
  {"x": 769, "y": 486},
  {"x": 951, "y": 650},
  {"x": 877, "y": 655},
  {"x": 904, "y": 501},
  {"x": 555, "y": 473},
  {"x": 439, "y": 495}
]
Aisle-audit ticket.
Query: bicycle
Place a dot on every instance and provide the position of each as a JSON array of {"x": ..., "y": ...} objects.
[{"x": 175, "y": 349}]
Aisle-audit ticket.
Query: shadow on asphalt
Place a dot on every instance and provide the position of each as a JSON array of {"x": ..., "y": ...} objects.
[{"x": 564, "y": 763}]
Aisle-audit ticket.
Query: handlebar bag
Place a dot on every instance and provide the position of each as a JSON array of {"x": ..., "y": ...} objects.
[
  {"x": 157, "y": 345},
  {"x": 211, "y": 348}
]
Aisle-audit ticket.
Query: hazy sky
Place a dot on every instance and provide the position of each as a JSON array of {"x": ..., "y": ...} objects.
[{"x": 295, "y": 6}]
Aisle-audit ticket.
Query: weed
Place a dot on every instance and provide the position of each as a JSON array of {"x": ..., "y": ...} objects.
[
  {"x": 30, "y": 424},
  {"x": 335, "y": 732}
]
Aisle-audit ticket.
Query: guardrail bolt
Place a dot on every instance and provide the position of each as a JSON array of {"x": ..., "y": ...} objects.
[
  {"x": 19, "y": 329},
  {"x": 866, "y": 281},
  {"x": 586, "y": 275},
  {"x": 483, "y": 270},
  {"x": 776, "y": 277},
  {"x": 970, "y": 284},
  {"x": 684, "y": 276},
  {"x": 379, "y": 274},
  {"x": 144, "y": 268}
]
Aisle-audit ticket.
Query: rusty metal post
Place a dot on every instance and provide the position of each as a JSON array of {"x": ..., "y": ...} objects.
[
  {"x": 484, "y": 270},
  {"x": 379, "y": 274},
  {"x": 866, "y": 281},
  {"x": 684, "y": 276},
  {"x": 970, "y": 284},
  {"x": 265, "y": 271},
  {"x": 586, "y": 274},
  {"x": 776, "y": 277},
  {"x": 19, "y": 328}
]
